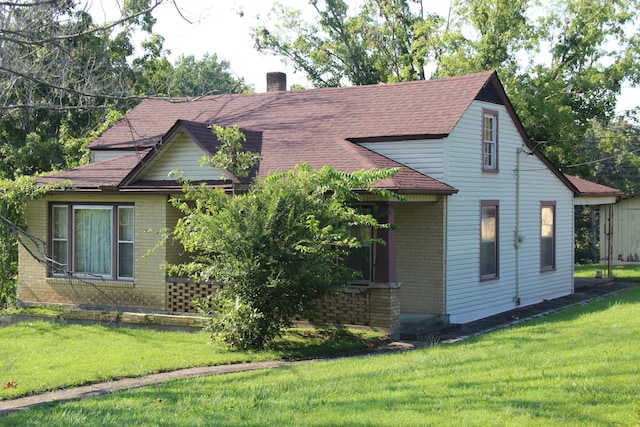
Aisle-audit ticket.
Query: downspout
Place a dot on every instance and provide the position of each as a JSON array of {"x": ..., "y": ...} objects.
[
  {"x": 518, "y": 238},
  {"x": 609, "y": 244}
]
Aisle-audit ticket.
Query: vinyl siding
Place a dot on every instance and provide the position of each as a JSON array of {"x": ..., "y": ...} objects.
[
  {"x": 425, "y": 156},
  {"x": 468, "y": 298},
  {"x": 183, "y": 155}
]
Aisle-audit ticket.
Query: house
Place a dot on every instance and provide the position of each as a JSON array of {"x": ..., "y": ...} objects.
[{"x": 487, "y": 224}]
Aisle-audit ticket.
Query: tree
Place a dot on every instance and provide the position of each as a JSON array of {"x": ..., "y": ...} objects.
[
  {"x": 156, "y": 76},
  {"x": 59, "y": 70},
  {"x": 52, "y": 46},
  {"x": 612, "y": 154},
  {"x": 13, "y": 197},
  {"x": 375, "y": 45},
  {"x": 276, "y": 248}
]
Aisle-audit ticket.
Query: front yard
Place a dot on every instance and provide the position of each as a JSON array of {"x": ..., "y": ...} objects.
[
  {"x": 40, "y": 356},
  {"x": 577, "y": 367}
]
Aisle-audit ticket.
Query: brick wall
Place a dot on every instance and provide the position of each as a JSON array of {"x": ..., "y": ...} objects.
[
  {"x": 420, "y": 256},
  {"x": 375, "y": 305},
  {"x": 174, "y": 249},
  {"x": 147, "y": 291}
]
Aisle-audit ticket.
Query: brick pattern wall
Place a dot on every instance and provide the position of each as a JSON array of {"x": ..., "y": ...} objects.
[
  {"x": 181, "y": 293},
  {"x": 420, "y": 242},
  {"x": 356, "y": 305}
]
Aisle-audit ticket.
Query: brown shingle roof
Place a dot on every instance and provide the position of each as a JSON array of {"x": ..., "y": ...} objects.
[
  {"x": 94, "y": 176},
  {"x": 313, "y": 126},
  {"x": 431, "y": 107},
  {"x": 589, "y": 188}
]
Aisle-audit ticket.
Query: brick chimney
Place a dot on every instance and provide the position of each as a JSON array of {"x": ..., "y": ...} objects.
[{"x": 276, "y": 82}]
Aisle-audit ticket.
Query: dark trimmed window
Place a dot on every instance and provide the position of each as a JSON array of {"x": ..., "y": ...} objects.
[
  {"x": 489, "y": 242},
  {"x": 490, "y": 140},
  {"x": 360, "y": 259},
  {"x": 92, "y": 240},
  {"x": 547, "y": 235}
]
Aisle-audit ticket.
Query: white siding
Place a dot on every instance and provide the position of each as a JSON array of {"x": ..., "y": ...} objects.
[
  {"x": 185, "y": 155},
  {"x": 467, "y": 297},
  {"x": 425, "y": 155}
]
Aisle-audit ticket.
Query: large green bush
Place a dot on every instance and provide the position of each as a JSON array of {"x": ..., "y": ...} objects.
[{"x": 276, "y": 248}]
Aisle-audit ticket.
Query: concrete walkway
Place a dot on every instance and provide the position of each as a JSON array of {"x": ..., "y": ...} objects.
[{"x": 589, "y": 291}]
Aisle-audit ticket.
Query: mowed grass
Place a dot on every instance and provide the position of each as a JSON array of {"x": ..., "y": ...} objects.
[
  {"x": 577, "y": 367},
  {"x": 40, "y": 356},
  {"x": 623, "y": 273}
]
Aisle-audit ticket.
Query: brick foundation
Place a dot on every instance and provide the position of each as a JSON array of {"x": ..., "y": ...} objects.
[{"x": 376, "y": 305}]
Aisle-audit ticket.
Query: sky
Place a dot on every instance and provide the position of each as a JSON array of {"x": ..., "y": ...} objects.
[{"x": 216, "y": 26}]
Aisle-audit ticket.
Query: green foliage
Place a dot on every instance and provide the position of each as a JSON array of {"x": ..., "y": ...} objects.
[
  {"x": 375, "y": 45},
  {"x": 586, "y": 242},
  {"x": 13, "y": 197},
  {"x": 156, "y": 76},
  {"x": 229, "y": 155},
  {"x": 610, "y": 154},
  {"x": 276, "y": 248}
]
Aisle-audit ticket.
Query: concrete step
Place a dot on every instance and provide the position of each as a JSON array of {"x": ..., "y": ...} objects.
[{"x": 420, "y": 327}]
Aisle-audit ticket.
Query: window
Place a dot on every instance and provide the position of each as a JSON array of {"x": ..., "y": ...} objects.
[
  {"x": 490, "y": 141},
  {"x": 359, "y": 259},
  {"x": 93, "y": 240},
  {"x": 489, "y": 240},
  {"x": 548, "y": 235}
]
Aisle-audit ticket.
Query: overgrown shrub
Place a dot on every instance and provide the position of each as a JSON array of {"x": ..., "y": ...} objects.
[{"x": 277, "y": 247}]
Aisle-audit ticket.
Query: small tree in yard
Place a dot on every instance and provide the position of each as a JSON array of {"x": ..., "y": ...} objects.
[{"x": 276, "y": 248}]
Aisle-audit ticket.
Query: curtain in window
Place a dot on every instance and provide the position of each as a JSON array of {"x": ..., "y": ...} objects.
[{"x": 92, "y": 241}]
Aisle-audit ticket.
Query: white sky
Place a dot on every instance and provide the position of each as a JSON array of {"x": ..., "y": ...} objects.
[{"x": 218, "y": 28}]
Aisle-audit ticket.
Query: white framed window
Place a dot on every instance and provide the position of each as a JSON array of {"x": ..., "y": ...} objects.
[
  {"x": 489, "y": 241},
  {"x": 547, "y": 236},
  {"x": 92, "y": 240},
  {"x": 490, "y": 140}
]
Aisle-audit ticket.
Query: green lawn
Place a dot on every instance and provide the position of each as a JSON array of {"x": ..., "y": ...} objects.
[
  {"x": 577, "y": 367},
  {"x": 625, "y": 272},
  {"x": 39, "y": 356}
]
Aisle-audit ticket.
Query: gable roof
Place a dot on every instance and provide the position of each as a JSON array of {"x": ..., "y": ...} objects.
[
  {"x": 314, "y": 126},
  {"x": 294, "y": 117},
  {"x": 317, "y": 126}
]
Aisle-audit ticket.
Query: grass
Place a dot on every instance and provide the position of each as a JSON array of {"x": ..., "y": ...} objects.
[
  {"x": 578, "y": 367},
  {"x": 624, "y": 272},
  {"x": 39, "y": 356}
]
